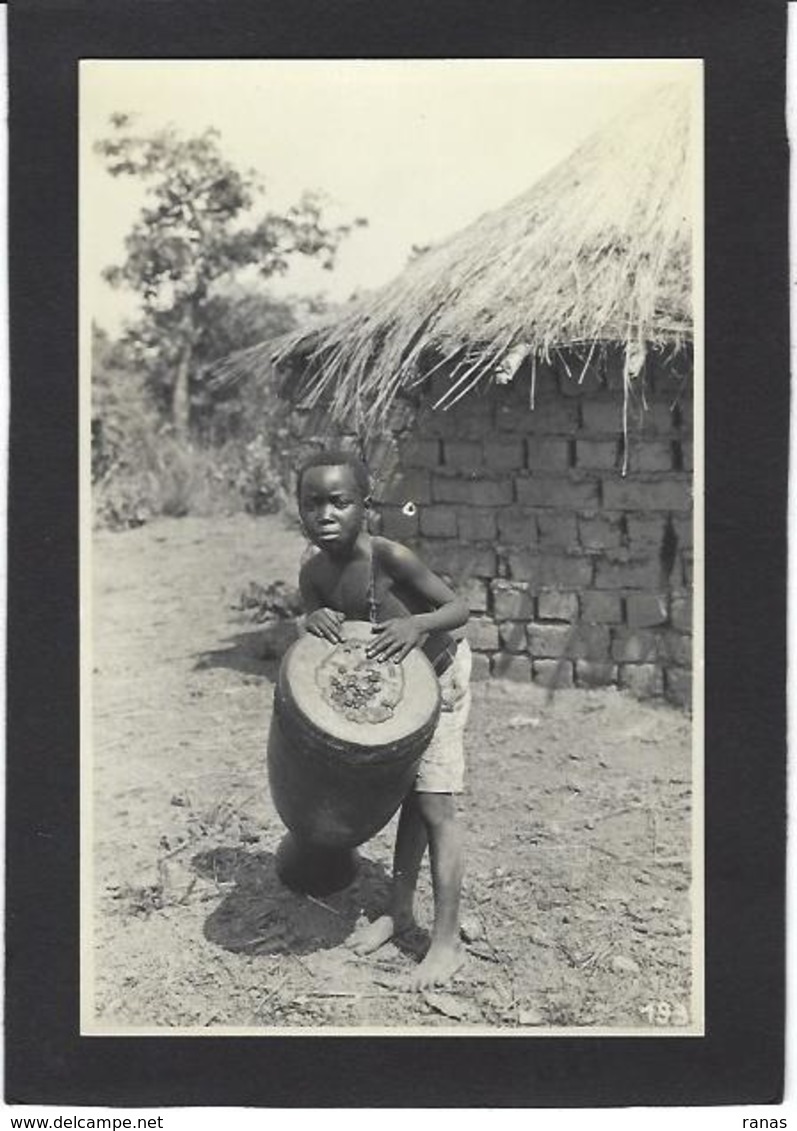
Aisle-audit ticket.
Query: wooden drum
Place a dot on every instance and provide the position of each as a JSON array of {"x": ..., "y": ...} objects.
[{"x": 347, "y": 734}]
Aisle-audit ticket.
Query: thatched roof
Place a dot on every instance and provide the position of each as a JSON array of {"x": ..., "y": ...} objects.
[{"x": 598, "y": 251}]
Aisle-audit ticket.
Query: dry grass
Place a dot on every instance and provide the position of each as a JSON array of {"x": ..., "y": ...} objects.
[
  {"x": 597, "y": 251},
  {"x": 156, "y": 474}
]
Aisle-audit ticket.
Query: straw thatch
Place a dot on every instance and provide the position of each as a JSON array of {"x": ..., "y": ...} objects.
[{"x": 598, "y": 251}]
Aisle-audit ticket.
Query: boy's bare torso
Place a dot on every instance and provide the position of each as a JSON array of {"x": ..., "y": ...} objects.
[{"x": 346, "y": 585}]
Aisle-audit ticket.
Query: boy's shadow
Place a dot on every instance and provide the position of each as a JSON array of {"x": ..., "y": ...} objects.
[
  {"x": 256, "y": 651},
  {"x": 261, "y": 916}
]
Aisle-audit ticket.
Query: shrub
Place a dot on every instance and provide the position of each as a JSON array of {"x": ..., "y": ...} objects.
[
  {"x": 157, "y": 474},
  {"x": 141, "y": 469}
]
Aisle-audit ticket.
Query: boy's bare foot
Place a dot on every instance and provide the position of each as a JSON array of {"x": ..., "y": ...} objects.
[
  {"x": 441, "y": 963},
  {"x": 370, "y": 936}
]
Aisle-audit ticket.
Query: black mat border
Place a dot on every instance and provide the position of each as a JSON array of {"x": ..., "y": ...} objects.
[{"x": 741, "y": 1058}]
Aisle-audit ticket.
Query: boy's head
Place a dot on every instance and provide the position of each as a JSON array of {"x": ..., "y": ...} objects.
[
  {"x": 337, "y": 457},
  {"x": 334, "y": 491}
]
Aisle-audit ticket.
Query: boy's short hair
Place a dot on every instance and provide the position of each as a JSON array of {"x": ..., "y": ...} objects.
[{"x": 338, "y": 457}]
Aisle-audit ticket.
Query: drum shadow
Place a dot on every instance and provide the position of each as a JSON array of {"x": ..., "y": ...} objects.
[
  {"x": 259, "y": 915},
  {"x": 253, "y": 652}
]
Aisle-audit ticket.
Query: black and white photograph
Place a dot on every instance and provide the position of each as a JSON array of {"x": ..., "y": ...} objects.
[{"x": 392, "y": 435}]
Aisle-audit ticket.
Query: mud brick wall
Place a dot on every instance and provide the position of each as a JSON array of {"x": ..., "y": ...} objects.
[{"x": 576, "y": 574}]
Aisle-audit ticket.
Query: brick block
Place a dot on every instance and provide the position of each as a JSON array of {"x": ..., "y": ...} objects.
[
  {"x": 642, "y": 680},
  {"x": 590, "y": 642},
  {"x": 477, "y": 492},
  {"x": 396, "y": 524},
  {"x": 382, "y": 454},
  {"x": 688, "y": 568},
  {"x": 480, "y": 669},
  {"x": 460, "y": 562},
  {"x": 553, "y": 674},
  {"x": 684, "y": 529},
  {"x": 601, "y": 608},
  {"x": 511, "y": 602},
  {"x": 676, "y": 648},
  {"x": 678, "y": 686},
  {"x": 631, "y": 574},
  {"x": 588, "y": 373},
  {"x": 556, "y": 416},
  {"x": 636, "y": 646},
  {"x": 507, "y": 666},
  {"x": 408, "y": 485},
  {"x": 464, "y": 421},
  {"x": 685, "y": 409},
  {"x": 660, "y": 369},
  {"x": 613, "y": 363},
  {"x": 581, "y": 377},
  {"x": 517, "y": 527},
  {"x": 563, "y": 492},
  {"x": 482, "y": 634},
  {"x": 681, "y": 613},
  {"x": 546, "y": 453},
  {"x": 420, "y": 453},
  {"x": 671, "y": 494},
  {"x": 546, "y": 382},
  {"x": 577, "y": 642},
  {"x": 513, "y": 635},
  {"x": 553, "y": 605},
  {"x": 434, "y": 422},
  {"x": 462, "y": 455},
  {"x": 604, "y": 416},
  {"x": 652, "y": 455},
  {"x": 549, "y": 640},
  {"x": 645, "y": 533},
  {"x": 601, "y": 455},
  {"x": 476, "y": 525},
  {"x": 599, "y": 533},
  {"x": 644, "y": 610},
  {"x": 591, "y": 673},
  {"x": 511, "y": 419},
  {"x": 548, "y": 571},
  {"x": 556, "y": 530},
  {"x": 552, "y": 415},
  {"x": 657, "y": 418},
  {"x": 438, "y": 522},
  {"x": 474, "y": 591},
  {"x": 687, "y": 455},
  {"x": 504, "y": 455}
]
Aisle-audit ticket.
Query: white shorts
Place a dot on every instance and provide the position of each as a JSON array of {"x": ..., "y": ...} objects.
[{"x": 442, "y": 768}]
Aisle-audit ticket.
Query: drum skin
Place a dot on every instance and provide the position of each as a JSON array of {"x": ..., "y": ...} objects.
[{"x": 336, "y": 782}]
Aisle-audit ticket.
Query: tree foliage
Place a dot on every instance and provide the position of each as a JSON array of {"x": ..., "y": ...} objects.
[{"x": 197, "y": 230}]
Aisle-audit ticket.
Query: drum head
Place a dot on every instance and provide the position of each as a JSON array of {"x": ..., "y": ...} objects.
[{"x": 355, "y": 700}]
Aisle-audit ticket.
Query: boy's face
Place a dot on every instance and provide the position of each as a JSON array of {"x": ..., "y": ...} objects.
[{"x": 331, "y": 506}]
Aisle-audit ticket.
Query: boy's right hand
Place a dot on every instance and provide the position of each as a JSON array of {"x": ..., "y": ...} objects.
[{"x": 325, "y": 623}]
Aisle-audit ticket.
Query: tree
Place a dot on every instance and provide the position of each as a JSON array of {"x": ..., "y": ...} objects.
[
  {"x": 195, "y": 233},
  {"x": 234, "y": 319},
  {"x": 120, "y": 408}
]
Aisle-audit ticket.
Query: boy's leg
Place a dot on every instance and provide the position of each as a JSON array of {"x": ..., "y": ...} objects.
[
  {"x": 411, "y": 841},
  {"x": 444, "y": 957}
]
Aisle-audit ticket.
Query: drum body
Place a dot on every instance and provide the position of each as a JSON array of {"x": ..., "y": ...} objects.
[{"x": 346, "y": 738}]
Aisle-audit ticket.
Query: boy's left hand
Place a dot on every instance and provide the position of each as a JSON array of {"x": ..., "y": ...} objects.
[{"x": 396, "y": 638}]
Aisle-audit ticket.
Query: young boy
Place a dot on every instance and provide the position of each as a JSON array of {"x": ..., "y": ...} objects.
[{"x": 359, "y": 577}]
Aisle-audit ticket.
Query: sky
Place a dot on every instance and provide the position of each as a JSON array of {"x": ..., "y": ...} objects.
[{"x": 418, "y": 147}]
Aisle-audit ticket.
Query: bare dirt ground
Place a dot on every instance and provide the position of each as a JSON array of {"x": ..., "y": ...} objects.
[{"x": 577, "y": 821}]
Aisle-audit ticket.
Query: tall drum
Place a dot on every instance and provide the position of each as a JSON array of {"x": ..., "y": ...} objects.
[{"x": 347, "y": 734}]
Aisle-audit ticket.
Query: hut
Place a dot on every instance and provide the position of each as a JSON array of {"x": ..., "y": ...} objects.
[{"x": 524, "y": 391}]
